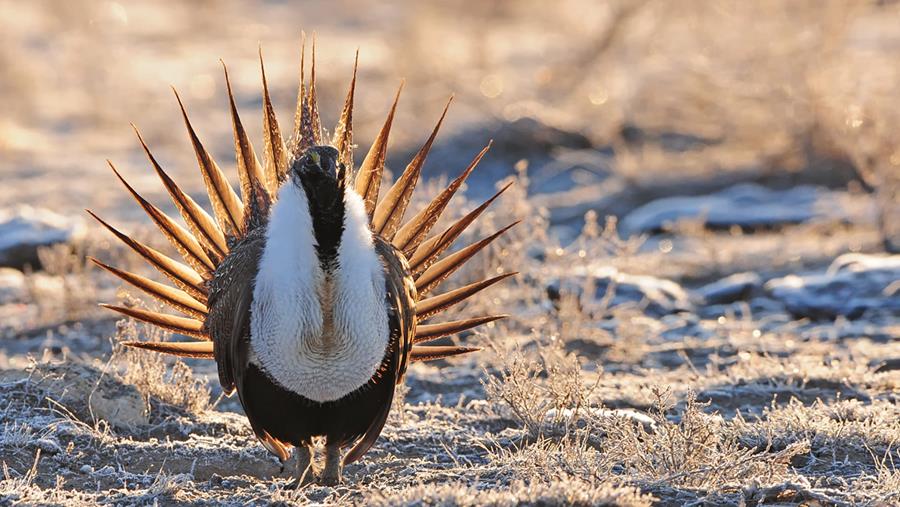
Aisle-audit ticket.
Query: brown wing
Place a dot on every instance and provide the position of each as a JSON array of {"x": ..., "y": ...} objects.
[
  {"x": 400, "y": 289},
  {"x": 231, "y": 294}
]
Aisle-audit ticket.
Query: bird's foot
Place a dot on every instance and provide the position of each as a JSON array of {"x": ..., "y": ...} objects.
[
  {"x": 303, "y": 467},
  {"x": 330, "y": 479},
  {"x": 331, "y": 474}
]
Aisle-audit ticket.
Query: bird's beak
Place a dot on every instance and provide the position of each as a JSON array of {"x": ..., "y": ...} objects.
[{"x": 316, "y": 168}]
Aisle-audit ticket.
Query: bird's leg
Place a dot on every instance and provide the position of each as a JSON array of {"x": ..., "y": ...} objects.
[
  {"x": 304, "y": 470},
  {"x": 331, "y": 474}
]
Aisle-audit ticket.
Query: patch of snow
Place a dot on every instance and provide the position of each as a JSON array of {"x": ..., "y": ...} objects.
[
  {"x": 566, "y": 414},
  {"x": 853, "y": 284},
  {"x": 747, "y": 205},
  {"x": 661, "y": 296},
  {"x": 23, "y": 229},
  {"x": 732, "y": 288}
]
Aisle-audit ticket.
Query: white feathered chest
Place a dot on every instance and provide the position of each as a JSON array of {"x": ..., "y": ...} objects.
[{"x": 319, "y": 334}]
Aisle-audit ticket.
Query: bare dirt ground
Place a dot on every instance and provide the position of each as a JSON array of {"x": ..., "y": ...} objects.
[{"x": 708, "y": 306}]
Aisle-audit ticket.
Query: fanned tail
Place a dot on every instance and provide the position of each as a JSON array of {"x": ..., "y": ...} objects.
[
  {"x": 410, "y": 236},
  {"x": 201, "y": 225},
  {"x": 205, "y": 239},
  {"x": 312, "y": 102},
  {"x": 182, "y": 325},
  {"x": 255, "y": 196},
  {"x": 431, "y": 249},
  {"x": 186, "y": 244},
  {"x": 368, "y": 179},
  {"x": 343, "y": 132},
  {"x": 427, "y": 307},
  {"x": 175, "y": 298},
  {"x": 226, "y": 204},
  {"x": 421, "y": 353},
  {"x": 181, "y": 275},
  {"x": 389, "y": 212},
  {"x": 204, "y": 243},
  {"x": 439, "y": 271},
  {"x": 307, "y": 125},
  {"x": 431, "y": 332},
  {"x": 275, "y": 151},
  {"x": 198, "y": 350}
]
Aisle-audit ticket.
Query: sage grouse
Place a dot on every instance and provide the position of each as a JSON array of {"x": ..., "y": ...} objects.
[{"x": 307, "y": 290}]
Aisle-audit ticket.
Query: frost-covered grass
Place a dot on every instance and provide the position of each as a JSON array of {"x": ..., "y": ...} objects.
[
  {"x": 615, "y": 382},
  {"x": 580, "y": 398}
]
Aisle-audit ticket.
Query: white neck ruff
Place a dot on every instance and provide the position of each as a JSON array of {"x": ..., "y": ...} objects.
[{"x": 320, "y": 336}]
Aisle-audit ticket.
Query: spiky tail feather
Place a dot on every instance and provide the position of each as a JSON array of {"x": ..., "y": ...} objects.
[{"x": 204, "y": 242}]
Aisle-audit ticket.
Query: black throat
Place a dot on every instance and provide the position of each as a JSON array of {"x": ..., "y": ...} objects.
[{"x": 327, "y": 213}]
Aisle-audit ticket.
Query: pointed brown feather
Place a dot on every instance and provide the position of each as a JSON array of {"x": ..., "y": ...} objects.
[
  {"x": 275, "y": 152},
  {"x": 302, "y": 136},
  {"x": 368, "y": 180},
  {"x": 389, "y": 212},
  {"x": 184, "y": 277},
  {"x": 226, "y": 204},
  {"x": 176, "y": 298},
  {"x": 410, "y": 236},
  {"x": 196, "y": 350},
  {"x": 440, "y": 270},
  {"x": 429, "y": 332},
  {"x": 275, "y": 446},
  {"x": 182, "y": 325},
  {"x": 249, "y": 169},
  {"x": 433, "y": 247},
  {"x": 434, "y": 352},
  {"x": 343, "y": 132},
  {"x": 201, "y": 225},
  {"x": 313, "y": 100},
  {"x": 179, "y": 237},
  {"x": 434, "y": 305}
]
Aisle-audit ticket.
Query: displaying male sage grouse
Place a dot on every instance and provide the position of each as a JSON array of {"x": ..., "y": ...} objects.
[{"x": 307, "y": 290}]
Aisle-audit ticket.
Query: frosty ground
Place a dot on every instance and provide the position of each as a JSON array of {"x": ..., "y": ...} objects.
[
  {"x": 707, "y": 311},
  {"x": 621, "y": 378}
]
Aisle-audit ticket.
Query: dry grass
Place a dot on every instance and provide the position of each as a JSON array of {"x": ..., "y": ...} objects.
[
  {"x": 587, "y": 395},
  {"x": 170, "y": 382}
]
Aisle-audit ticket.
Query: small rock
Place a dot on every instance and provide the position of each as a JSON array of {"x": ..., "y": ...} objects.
[
  {"x": 125, "y": 410},
  {"x": 86, "y": 469},
  {"x": 48, "y": 445},
  {"x": 736, "y": 287},
  {"x": 853, "y": 284},
  {"x": 661, "y": 296},
  {"x": 24, "y": 229},
  {"x": 90, "y": 395}
]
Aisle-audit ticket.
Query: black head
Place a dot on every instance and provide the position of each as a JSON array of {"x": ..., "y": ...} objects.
[
  {"x": 323, "y": 178},
  {"x": 321, "y": 175}
]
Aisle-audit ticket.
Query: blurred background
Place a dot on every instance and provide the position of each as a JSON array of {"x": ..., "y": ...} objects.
[
  {"x": 613, "y": 104},
  {"x": 711, "y": 226}
]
